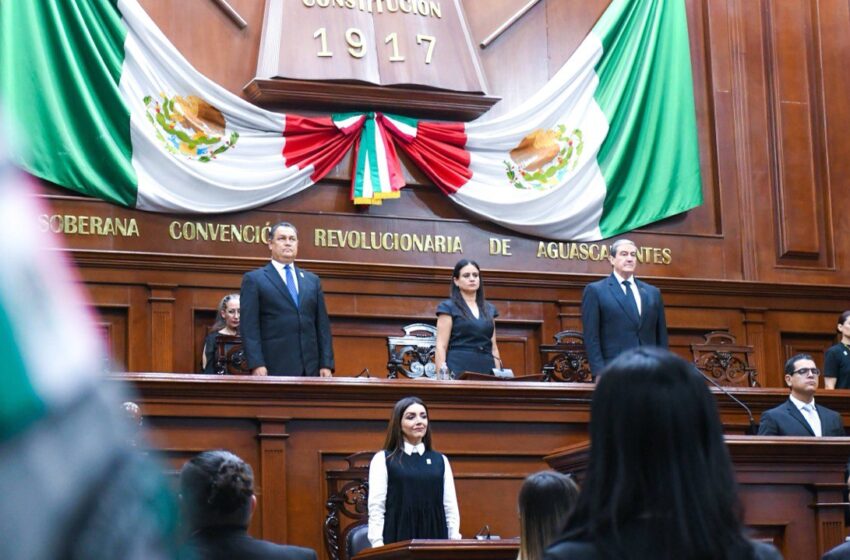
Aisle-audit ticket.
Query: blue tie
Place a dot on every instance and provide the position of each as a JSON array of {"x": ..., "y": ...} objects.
[{"x": 290, "y": 284}]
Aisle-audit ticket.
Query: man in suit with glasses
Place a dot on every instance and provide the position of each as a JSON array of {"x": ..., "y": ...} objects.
[{"x": 799, "y": 416}]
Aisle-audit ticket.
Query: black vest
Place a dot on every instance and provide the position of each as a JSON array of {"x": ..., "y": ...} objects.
[{"x": 415, "y": 497}]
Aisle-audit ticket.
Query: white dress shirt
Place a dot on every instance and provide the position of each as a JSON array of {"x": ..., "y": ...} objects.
[
  {"x": 810, "y": 413},
  {"x": 632, "y": 287},
  {"x": 378, "y": 495},
  {"x": 281, "y": 270}
]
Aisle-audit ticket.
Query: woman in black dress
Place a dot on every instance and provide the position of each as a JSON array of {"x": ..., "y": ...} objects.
[
  {"x": 836, "y": 363},
  {"x": 226, "y": 323},
  {"x": 411, "y": 487},
  {"x": 659, "y": 481},
  {"x": 466, "y": 328}
]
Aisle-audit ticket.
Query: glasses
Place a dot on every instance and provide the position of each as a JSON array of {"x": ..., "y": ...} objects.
[{"x": 807, "y": 370}]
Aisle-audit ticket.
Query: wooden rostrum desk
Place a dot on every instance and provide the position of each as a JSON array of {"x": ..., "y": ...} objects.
[{"x": 295, "y": 430}]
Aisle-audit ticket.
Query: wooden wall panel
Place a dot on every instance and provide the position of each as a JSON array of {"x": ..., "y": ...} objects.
[
  {"x": 760, "y": 258},
  {"x": 791, "y": 46}
]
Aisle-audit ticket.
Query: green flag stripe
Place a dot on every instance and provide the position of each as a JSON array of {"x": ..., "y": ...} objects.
[
  {"x": 650, "y": 158},
  {"x": 19, "y": 402},
  {"x": 60, "y": 65}
]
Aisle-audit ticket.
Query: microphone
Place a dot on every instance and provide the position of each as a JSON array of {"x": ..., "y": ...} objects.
[{"x": 753, "y": 429}]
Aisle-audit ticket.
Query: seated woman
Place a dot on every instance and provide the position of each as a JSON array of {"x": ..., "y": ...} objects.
[
  {"x": 546, "y": 500},
  {"x": 217, "y": 498},
  {"x": 411, "y": 486},
  {"x": 226, "y": 323},
  {"x": 466, "y": 331},
  {"x": 659, "y": 480}
]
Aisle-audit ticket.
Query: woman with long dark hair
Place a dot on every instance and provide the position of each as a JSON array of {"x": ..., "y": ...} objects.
[
  {"x": 659, "y": 481},
  {"x": 836, "y": 362},
  {"x": 546, "y": 500},
  {"x": 411, "y": 486},
  {"x": 226, "y": 323},
  {"x": 466, "y": 330}
]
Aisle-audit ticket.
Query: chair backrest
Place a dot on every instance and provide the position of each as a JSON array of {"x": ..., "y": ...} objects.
[
  {"x": 566, "y": 360},
  {"x": 229, "y": 356},
  {"x": 347, "y": 505},
  {"x": 357, "y": 540},
  {"x": 726, "y": 362},
  {"x": 412, "y": 355}
]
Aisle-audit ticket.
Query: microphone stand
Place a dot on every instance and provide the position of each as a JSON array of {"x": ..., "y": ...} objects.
[{"x": 753, "y": 429}]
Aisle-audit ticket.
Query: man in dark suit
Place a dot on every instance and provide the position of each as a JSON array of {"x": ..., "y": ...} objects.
[
  {"x": 621, "y": 312},
  {"x": 285, "y": 327},
  {"x": 798, "y": 416},
  {"x": 217, "y": 501}
]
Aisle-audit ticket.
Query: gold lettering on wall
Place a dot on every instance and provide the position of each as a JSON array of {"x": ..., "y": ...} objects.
[
  {"x": 424, "y": 8},
  {"x": 71, "y": 224},
  {"x": 562, "y": 250},
  {"x": 223, "y": 233},
  {"x": 387, "y": 241}
]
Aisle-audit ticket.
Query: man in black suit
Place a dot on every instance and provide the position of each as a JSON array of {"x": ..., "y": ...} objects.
[
  {"x": 621, "y": 312},
  {"x": 217, "y": 501},
  {"x": 798, "y": 416},
  {"x": 285, "y": 327}
]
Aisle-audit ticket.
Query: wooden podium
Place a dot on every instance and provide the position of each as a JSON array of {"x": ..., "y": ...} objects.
[
  {"x": 466, "y": 549},
  {"x": 791, "y": 488}
]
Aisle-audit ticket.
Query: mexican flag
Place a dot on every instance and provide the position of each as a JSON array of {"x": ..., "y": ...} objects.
[{"x": 111, "y": 109}]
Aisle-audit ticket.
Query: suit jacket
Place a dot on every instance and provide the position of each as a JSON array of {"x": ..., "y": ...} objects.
[
  {"x": 285, "y": 338},
  {"x": 787, "y": 420},
  {"x": 840, "y": 552},
  {"x": 233, "y": 543},
  {"x": 610, "y": 327}
]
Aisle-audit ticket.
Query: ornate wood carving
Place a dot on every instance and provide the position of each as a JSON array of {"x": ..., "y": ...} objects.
[
  {"x": 308, "y": 49},
  {"x": 412, "y": 355},
  {"x": 728, "y": 363},
  {"x": 230, "y": 357},
  {"x": 348, "y": 494},
  {"x": 566, "y": 360}
]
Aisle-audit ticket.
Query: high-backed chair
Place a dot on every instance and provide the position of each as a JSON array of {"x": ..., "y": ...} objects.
[
  {"x": 229, "y": 356},
  {"x": 725, "y": 361},
  {"x": 566, "y": 360},
  {"x": 357, "y": 540},
  {"x": 412, "y": 355},
  {"x": 347, "y": 505}
]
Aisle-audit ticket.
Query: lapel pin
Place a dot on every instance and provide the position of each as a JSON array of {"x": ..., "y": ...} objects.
[{"x": 428, "y": 461}]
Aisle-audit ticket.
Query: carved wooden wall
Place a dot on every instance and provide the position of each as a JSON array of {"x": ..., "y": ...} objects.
[{"x": 762, "y": 257}]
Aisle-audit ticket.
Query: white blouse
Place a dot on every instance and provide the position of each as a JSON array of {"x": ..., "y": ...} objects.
[{"x": 378, "y": 496}]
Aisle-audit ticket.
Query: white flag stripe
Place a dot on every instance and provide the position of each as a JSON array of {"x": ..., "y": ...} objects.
[{"x": 255, "y": 173}]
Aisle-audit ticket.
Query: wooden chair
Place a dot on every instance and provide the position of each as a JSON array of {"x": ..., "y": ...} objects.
[
  {"x": 566, "y": 360},
  {"x": 230, "y": 358},
  {"x": 347, "y": 505},
  {"x": 728, "y": 363},
  {"x": 412, "y": 355}
]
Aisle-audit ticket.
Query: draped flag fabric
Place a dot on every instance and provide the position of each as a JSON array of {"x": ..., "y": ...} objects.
[{"x": 111, "y": 109}]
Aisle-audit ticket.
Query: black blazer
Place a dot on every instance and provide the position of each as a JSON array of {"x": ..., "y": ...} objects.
[
  {"x": 609, "y": 325},
  {"x": 286, "y": 339},
  {"x": 233, "y": 543},
  {"x": 840, "y": 552},
  {"x": 786, "y": 420}
]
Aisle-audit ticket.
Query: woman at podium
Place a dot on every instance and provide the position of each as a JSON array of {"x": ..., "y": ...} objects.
[
  {"x": 227, "y": 323},
  {"x": 411, "y": 487},
  {"x": 466, "y": 330}
]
